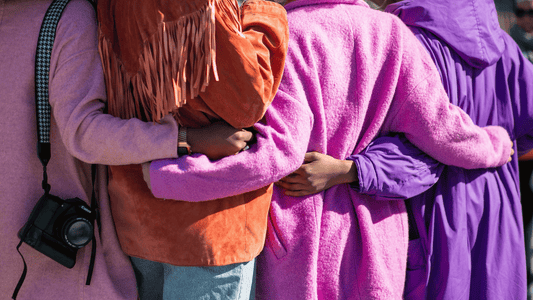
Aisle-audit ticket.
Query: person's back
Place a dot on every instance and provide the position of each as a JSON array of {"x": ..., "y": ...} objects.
[
  {"x": 203, "y": 61},
  {"x": 21, "y": 170},
  {"x": 474, "y": 235},
  {"x": 324, "y": 60},
  {"x": 79, "y": 134}
]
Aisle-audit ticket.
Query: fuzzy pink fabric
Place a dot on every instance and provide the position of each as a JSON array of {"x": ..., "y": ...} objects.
[{"x": 352, "y": 74}]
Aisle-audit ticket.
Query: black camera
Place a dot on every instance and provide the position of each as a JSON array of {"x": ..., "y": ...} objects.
[{"x": 58, "y": 228}]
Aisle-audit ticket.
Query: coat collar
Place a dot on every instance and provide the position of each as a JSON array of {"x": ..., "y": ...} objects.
[{"x": 301, "y": 3}]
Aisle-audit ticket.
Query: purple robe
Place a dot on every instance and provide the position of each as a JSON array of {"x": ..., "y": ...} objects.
[{"x": 467, "y": 238}]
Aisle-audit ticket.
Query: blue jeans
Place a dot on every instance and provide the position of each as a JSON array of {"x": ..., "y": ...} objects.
[{"x": 160, "y": 281}]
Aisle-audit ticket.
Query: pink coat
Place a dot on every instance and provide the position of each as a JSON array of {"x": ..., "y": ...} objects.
[{"x": 351, "y": 75}]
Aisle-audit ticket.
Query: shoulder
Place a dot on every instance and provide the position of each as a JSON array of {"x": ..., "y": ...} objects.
[
  {"x": 515, "y": 55},
  {"x": 263, "y": 6},
  {"x": 77, "y": 23},
  {"x": 76, "y": 34},
  {"x": 361, "y": 20},
  {"x": 78, "y": 14}
]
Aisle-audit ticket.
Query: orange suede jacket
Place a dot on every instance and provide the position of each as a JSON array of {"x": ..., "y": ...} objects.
[{"x": 163, "y": 65}]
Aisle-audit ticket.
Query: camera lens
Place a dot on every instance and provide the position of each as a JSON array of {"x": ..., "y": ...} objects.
[{"x": 77, "y": 232}]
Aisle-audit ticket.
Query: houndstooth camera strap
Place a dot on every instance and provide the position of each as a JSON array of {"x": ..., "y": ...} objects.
[{"x": 45, "y": 44}]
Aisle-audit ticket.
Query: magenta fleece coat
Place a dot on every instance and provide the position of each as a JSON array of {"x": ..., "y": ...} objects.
[{"x": 352, "y": 74}]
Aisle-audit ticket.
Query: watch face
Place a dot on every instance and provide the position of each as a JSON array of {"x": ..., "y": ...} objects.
[{"x": 183, "y": 147}]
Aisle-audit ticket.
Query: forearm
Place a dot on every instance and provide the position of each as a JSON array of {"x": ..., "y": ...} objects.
[
  {"x": 95, "y": 137},
  {"x": 347, "y": 172},
  {"x": 391, "y": 168},
  {"x": 103, "y": 139}
]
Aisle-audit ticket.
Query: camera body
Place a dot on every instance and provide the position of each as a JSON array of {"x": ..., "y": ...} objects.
[{"x": 58, "y": 228}]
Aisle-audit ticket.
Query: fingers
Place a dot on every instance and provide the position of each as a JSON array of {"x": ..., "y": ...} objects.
[
  {"x": 311, "y": 156},
  {"x": 291, "y": 180},
  {"x": 292, "y": 186},
  {"x": 146, "y": 174},
  {"x": 245, "y": 135},
  {"x": 240, "y": 140},
  {"x": 294, "y": 189},
  {"x": 297, "y": 193},
  {"x": 295, "y": 177}
]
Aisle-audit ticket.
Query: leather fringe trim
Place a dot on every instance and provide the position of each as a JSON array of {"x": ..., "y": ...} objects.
[{"x": 175, "y": 64}]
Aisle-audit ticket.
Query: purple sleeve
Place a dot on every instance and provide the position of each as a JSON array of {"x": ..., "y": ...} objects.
[
  {"x": 391, "y": 168},
  {"x": 521, "y": 89}
]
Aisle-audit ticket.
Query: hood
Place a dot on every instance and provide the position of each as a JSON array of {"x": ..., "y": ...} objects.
[{"x": 470, "y": 27}]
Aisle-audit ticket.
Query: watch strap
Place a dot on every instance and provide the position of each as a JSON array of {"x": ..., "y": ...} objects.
[{"x": 183, "y": 147}]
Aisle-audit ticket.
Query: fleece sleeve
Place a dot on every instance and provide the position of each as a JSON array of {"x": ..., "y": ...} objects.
[
  {"x": 391, "y": 168},
  {"x": 250, "y": 62},
  {"x": 281, "y": 145},
  {"x": 421, "y": 109},
  {"x": 282, "y": 139},
  {"x": 76, "y": 94}
]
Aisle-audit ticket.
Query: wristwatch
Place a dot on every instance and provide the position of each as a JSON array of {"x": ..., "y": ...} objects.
[{"x": 183, "y": 147}]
